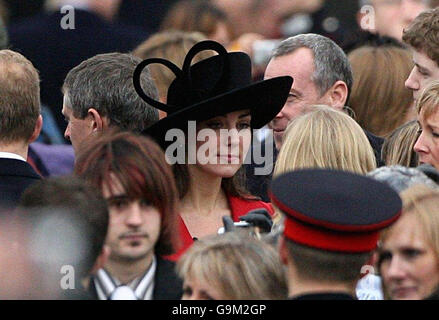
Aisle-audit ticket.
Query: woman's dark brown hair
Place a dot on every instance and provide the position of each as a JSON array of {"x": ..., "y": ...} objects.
[
  {"x": 139, "y": 165},
  {"x": 234, "y": 186}
]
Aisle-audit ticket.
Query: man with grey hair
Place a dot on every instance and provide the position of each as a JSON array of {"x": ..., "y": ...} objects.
[
  {"x": 99, "y": 93},
  {"x": 69, "y": 32},
  {"x": 322, "y": 75}
]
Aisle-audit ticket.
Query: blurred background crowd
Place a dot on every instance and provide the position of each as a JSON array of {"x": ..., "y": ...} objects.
[
  {"x": 341, "y": 85},
  {"x": 121, "y": 25}
]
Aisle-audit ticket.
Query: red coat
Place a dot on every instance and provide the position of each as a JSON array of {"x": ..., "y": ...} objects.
[{"x": 238, "y": 207}]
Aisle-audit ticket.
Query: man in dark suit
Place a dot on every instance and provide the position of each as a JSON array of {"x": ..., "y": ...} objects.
[
  {"x": 20, "y": 124},
  {"x": 322, "y": 75},
  {"x": 331, "y": 228},
  {"x": 56, "y": 41}
]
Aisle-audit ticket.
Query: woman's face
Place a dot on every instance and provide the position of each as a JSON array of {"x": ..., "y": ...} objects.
[
  {"x": 427, "y": 145},
  {"x": 193, "y": 289},
  {"x": 223, "y": 142},
  {"x": 408, "y": 264}
]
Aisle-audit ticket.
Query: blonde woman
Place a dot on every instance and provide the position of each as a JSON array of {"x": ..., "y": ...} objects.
[
  {"x": 232, "y": 266},
  {"x": 325, "y": 138},
  {"x": 427, "y": 145},
  {"x": 409, "y": 250},
  {"x": 398, "y": 146}
]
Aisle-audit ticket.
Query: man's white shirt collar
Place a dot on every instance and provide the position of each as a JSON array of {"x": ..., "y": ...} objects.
[
  {"x": 9, "y": 155},
  {"x": 142, "y": 286}
]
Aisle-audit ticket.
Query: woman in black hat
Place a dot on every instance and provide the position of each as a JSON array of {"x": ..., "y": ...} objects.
[{"x": 212, "y": 107}]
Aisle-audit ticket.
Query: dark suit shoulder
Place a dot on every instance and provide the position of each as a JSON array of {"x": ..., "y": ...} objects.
[
  {"x": 17, "y": 168},
  {"x": 15, "y": 177},
  {"x": 167, "y": 286},
  {"x": 377, "y": 144},
  {"x": 259, "y": 171},
  {"x": 324, "y": 296}
]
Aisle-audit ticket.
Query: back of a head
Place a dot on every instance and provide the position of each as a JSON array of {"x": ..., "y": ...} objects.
[
  {"x": 173, "y": 46},
  {"x": 398, "y": 146},
  {"x": 81, "y": 204},
  {"x": 332, "y": 225},
  {"x": 19, "y": 97},
  {"x": 331, "y": 63},
  {"x": 379, "y": 99},
  {"x": 105, "y": 82},
  {"x": 239, "y": 266},
  {"x": 423, "y": 34},
  {"x": 325, "y": 138},
  {"x": 139, "y": 165},
  {"x": 338, "y": 267}
]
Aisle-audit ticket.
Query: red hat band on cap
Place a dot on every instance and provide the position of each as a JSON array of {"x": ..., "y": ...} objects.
[{"x": 325, "y": 239}]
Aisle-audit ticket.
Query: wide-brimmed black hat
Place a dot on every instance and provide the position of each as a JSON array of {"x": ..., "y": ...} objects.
[{"x": 212, "y": 87}]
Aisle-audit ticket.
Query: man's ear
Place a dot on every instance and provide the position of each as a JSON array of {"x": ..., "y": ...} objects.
[
  {"x": 37, "y": 129},
  {"x": 98, "y": 123},
  {"x": 101, "y": 259},
  {"x": 337, "y": 95}
]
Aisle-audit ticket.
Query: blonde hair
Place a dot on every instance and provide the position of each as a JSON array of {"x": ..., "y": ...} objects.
[
  {"x": 423, "y": 202},
  {"x": 428, "y": 102},
  {"x": 172, "y": 46},
  {"x": 239, "y": 266},
  {"x": 380, "y": 100},
  {"x": 19, "y": 97},
  {"x": 325, "y": 138},
  {"x": 398, "y": 146}
]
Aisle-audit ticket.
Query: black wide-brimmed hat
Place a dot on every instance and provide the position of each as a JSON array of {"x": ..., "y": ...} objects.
[
  {"x": 334, "y": 210},
  {"x": 212, "y": 87}
]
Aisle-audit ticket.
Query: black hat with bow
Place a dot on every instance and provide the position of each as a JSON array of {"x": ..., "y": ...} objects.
[{"x": 212, "y": 87}]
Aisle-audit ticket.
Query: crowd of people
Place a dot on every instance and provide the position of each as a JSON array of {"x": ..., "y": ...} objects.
[{"x": 188, "y": 171}]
